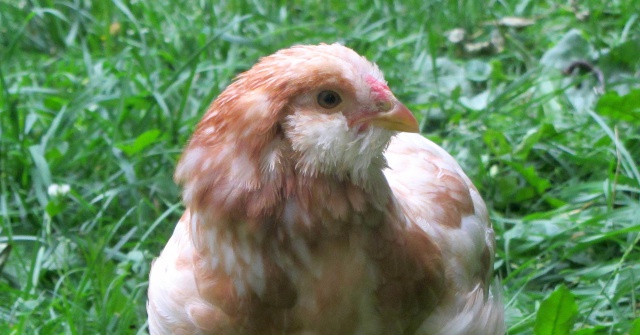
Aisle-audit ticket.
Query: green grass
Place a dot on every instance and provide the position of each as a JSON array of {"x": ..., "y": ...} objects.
[{"x": 102, "y": 96}]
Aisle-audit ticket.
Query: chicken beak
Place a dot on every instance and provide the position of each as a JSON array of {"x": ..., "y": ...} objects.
[{"x": 399, "y": 118}]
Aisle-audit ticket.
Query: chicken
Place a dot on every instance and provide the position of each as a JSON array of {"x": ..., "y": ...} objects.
[{"x": 313, "y": 208}]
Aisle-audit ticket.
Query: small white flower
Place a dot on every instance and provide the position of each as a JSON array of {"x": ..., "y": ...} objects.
[
  {"x": 56, "y": 190},
  {"x": 494, "y": 170},
  {"x": 53, "y": 190},
  {"x": 64, "y": 189}
]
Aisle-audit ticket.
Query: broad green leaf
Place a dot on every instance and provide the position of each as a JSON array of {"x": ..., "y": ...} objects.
[
  {"x": 620, "y": 108},
  {"x": 625, "y": 54},
  {"x": 497, "y": 142},
  {"x": 557, "y": 313},
  {"x": 583, "y": 96},
  {"x": 144, "y": 140},
  {"x": 532, "y": 137},
  {"x": 61, "y": 256},
  {"x": 497, "y": 71},
  {"x": 530, "y": 175},
  {"x": 635, "y": 327},
  {"x": 478, "y": 102},
  {"x": 572, "y": 46},
  {"x": 592, "y": 331},
  {"x": 55, "y": 207},
  {"x": 41, "y": 164},
  {"x": 443, "y": 75},
  {"x": 477, "y": 70}
]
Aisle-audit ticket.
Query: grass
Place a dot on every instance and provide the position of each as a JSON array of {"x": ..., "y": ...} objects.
[{"x": 102, "y": 95}]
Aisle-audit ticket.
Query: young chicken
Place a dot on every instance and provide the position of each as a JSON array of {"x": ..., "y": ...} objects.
[{"x": 312, "y": 209}]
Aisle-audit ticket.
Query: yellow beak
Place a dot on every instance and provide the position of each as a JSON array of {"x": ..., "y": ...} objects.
[{"x": 399, "y": 118}]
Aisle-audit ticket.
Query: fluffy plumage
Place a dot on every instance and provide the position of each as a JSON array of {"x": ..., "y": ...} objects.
[{"x": 308, "y": 213}]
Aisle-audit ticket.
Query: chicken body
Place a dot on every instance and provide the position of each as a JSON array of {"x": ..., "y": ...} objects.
[{"x": 308, "y": 213}]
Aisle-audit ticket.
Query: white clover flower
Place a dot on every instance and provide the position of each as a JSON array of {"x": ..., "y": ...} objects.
[{"x": 55, "y": 190}]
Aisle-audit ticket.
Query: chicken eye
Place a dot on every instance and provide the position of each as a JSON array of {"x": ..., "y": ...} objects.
[{"x": 329, "y": 99}]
